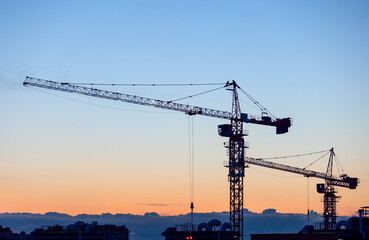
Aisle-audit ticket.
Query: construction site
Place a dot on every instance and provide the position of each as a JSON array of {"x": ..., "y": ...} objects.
[
  {"x": 163, "y": 120},
  {"x": 235, "y": 145}
]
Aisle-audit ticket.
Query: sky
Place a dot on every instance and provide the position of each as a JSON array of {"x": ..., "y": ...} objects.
[{"x": 59, "y": 152}]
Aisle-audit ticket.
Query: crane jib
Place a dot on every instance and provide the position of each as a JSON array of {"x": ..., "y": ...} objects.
[
  {"x": 346, "y": 181},
  {"x": 66, "y": 87},
  {"x": 281, "y": 125}
]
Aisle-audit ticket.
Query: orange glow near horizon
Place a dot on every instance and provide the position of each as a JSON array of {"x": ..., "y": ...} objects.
[{"x": 165, "y": 197}]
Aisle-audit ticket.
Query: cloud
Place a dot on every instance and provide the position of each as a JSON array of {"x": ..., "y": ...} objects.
[
  {"x": 152, "y": 214},
  {"x": 269, "y": 211}
]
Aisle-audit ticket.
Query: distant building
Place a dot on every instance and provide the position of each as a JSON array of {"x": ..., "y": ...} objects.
[
  {"x": 78, "y": 230},
  {"x": 213, "y": 230},
  {"x": 355, "y": 228},
  {"x": 294, "y": 236},
  {"x": 7, "y": 234},
  {"x": 81, "y": 230}
]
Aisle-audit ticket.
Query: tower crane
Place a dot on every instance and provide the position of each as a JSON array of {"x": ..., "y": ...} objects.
[
  {"x": 234, "y": 130},
  {"x": 327, "y": 189}
]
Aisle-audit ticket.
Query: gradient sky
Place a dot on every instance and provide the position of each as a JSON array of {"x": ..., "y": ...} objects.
[{"x": 308, "y": 60}]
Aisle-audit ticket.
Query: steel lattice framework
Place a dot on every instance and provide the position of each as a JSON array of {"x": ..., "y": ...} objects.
[
  {"x": 330, "y": 199},
  {"x": 93, "y": 92},
  {"x": 236, "y": 165},
  {"x": 234, "y": 131},
  {"x": 344, "y": 181}
]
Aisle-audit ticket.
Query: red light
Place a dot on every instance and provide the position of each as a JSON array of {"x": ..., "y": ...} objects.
[{"x": 189, "y": 237}]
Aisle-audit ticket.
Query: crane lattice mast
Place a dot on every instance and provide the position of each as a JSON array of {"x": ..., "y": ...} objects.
[
  {"x": 234, "y": 130},
  {"x": 330, "y": 198},
  {"x": 236, "y": 165}
]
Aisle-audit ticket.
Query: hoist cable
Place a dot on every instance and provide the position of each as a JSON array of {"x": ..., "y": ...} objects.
[
  {"x": 248, "y": 104},
  {"x": 262, "y": 108},
  {"x": 339, "y": 164},
  {"x": 297, "y": 155},
  {"x": 191, "y": 165},
  {"x": 148, "y": 84},
  {"x": 316, "y": 161},
  {"x": 196, "y": 94},
  {"x": 308, "y": 200},
  {"x": 191, "y": 156},
  {"x": 340, "y": 172}
]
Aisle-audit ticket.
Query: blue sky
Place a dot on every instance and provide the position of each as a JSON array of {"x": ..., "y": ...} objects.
[{"x": 302, "y": 59}]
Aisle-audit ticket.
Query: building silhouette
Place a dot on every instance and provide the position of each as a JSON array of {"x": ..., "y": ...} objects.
[
  {"x": 213, "y": 230},
  {"x": 354, "y": 228},
  {"x": 79, "y": 231}
]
